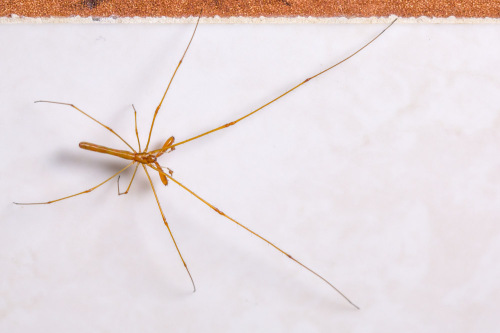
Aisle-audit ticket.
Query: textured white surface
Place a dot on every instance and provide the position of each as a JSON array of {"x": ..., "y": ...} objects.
[{"x": 383, "y": 175}]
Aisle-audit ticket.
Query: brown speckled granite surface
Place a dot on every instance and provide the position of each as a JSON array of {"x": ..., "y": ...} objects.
[{"x": 246, "y": 8}]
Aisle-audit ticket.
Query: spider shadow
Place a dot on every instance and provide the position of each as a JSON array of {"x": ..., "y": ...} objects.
[{"x": 94, "y": 163}]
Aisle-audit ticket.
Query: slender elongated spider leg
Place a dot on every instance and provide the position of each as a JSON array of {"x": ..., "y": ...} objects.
[
  {"x": 136, "y": 130},
  {"x": 283, "y": 94},
  {"x": 168, "y": 227},
  {"x": 97, "y": 121},
  {"x": 170, "y": 82},
  {"x": 137, "y": 165},
  {"x": 253, "y": 233},
  {"x": 74, "y": 195},
  {"x": 131, "y": 180}
]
